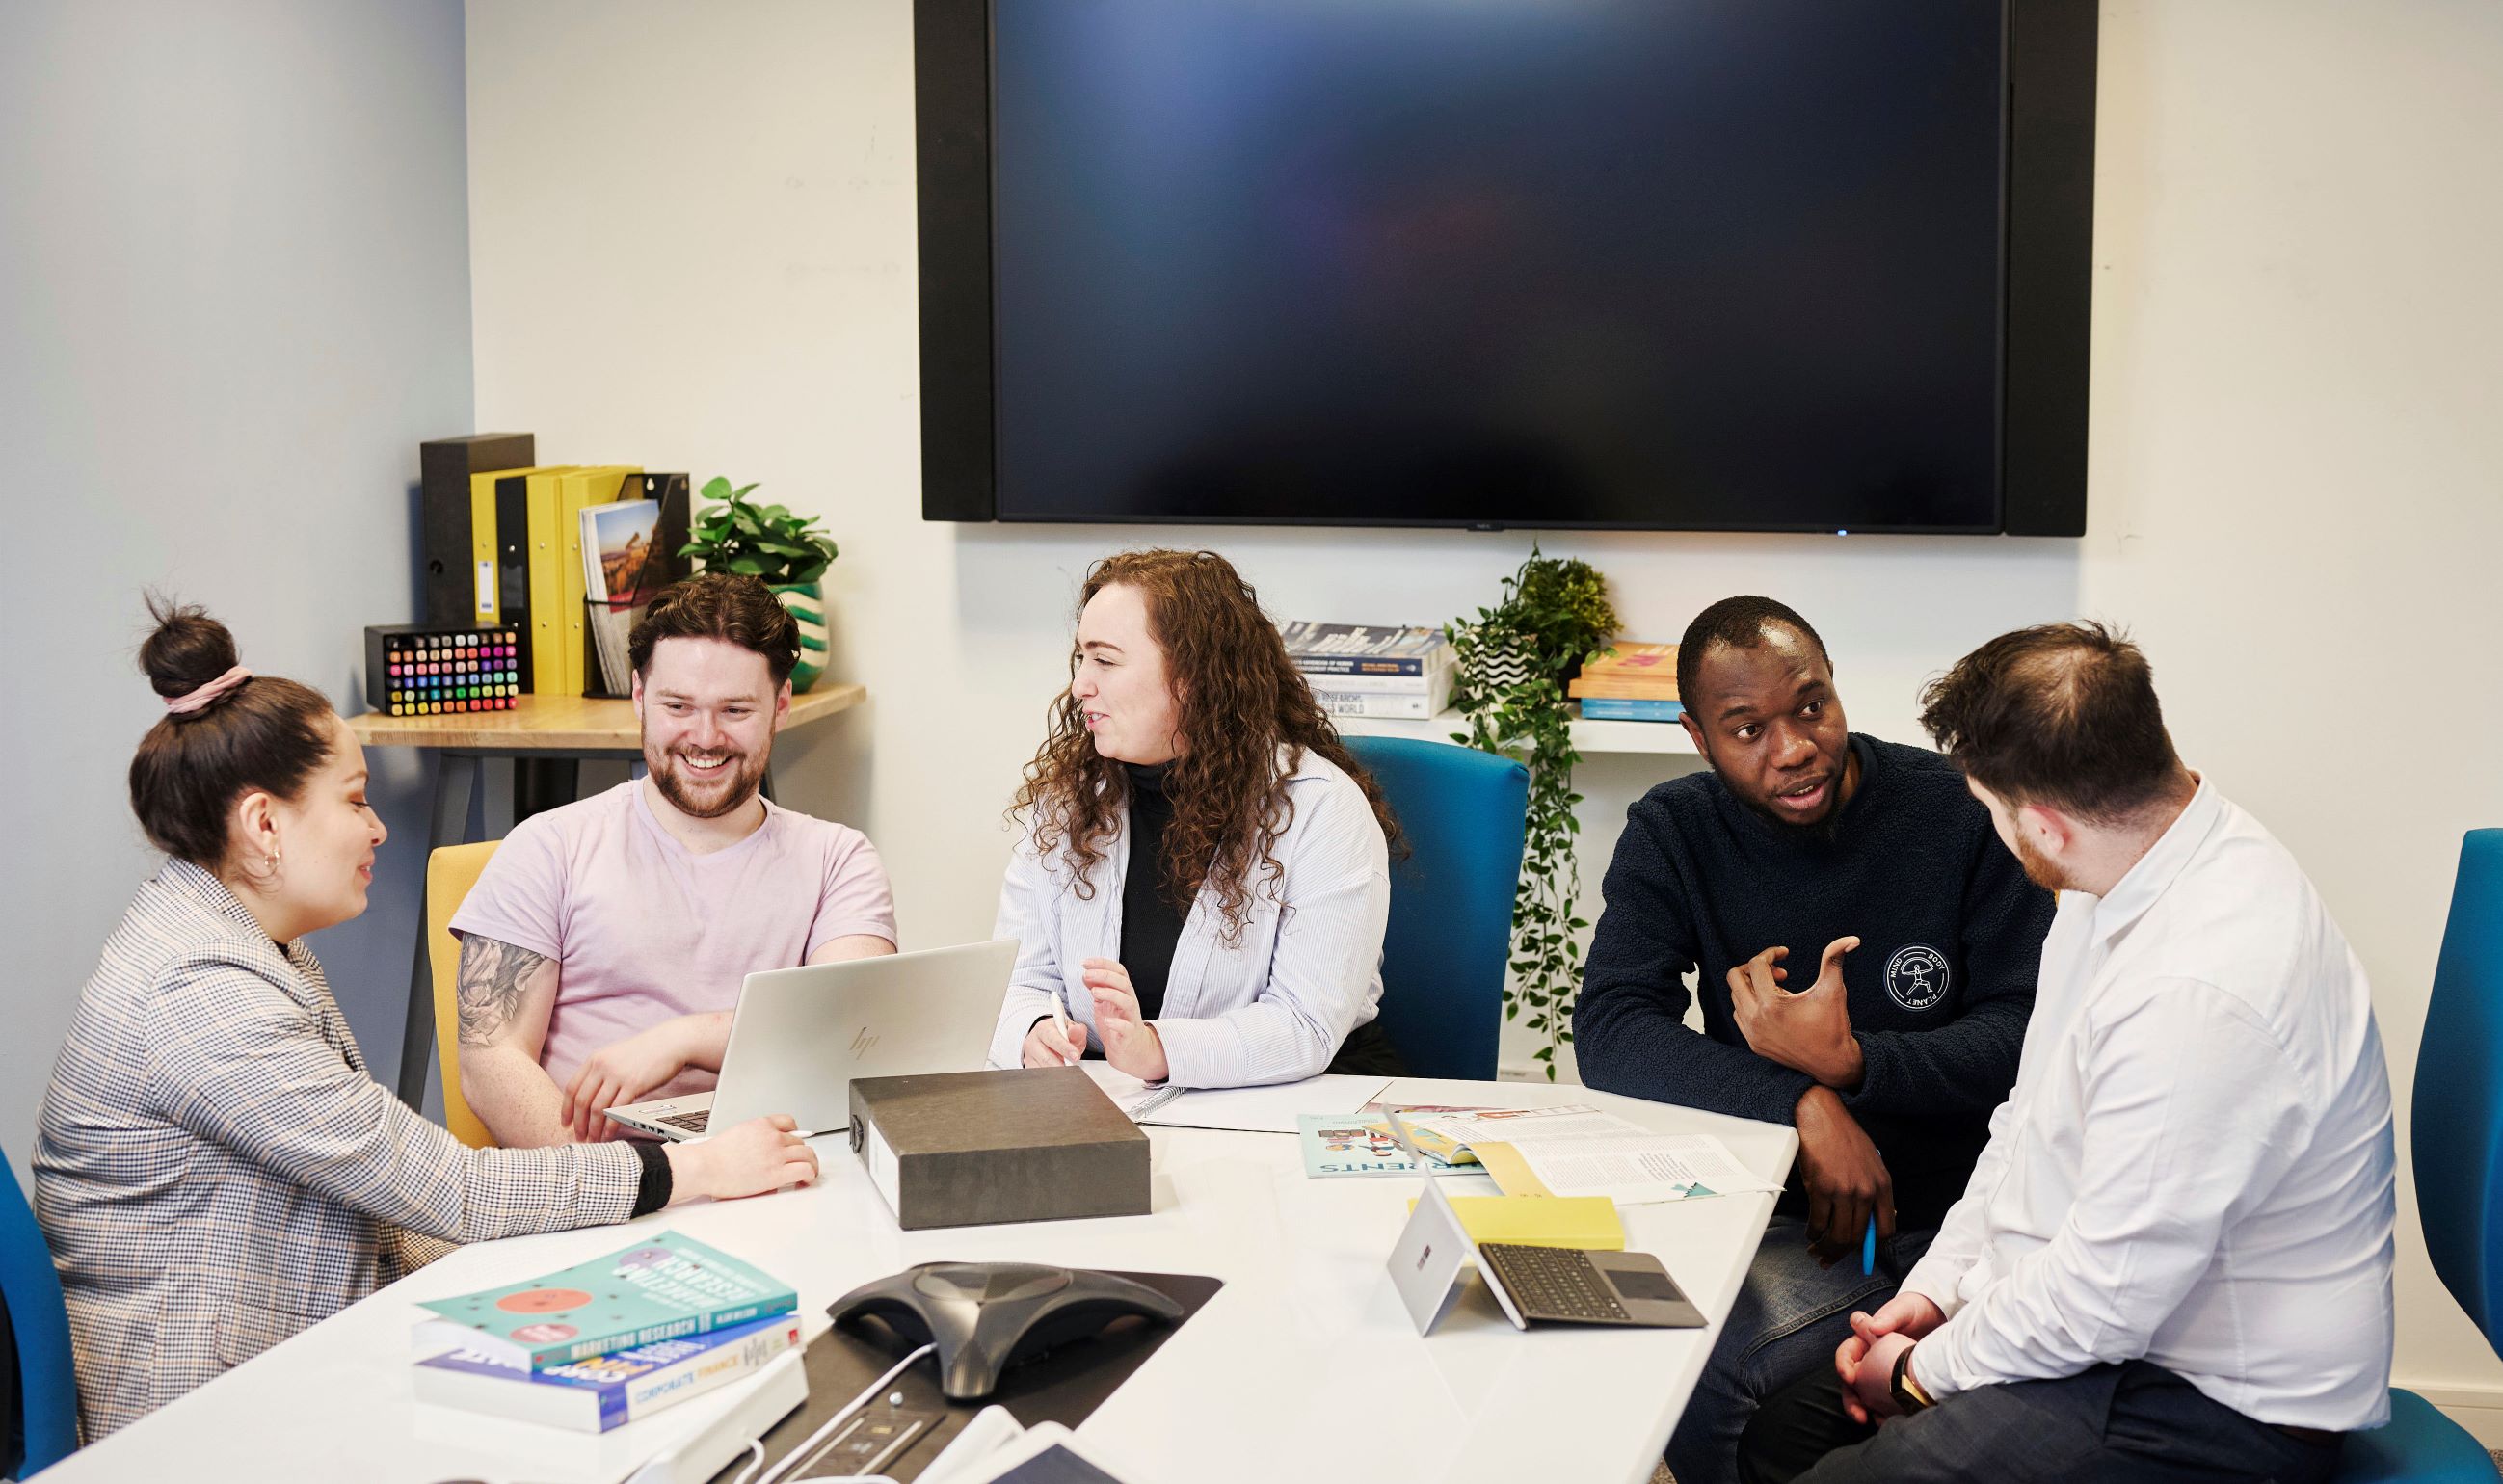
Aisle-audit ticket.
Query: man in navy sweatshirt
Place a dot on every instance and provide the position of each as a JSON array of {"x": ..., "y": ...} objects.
[{"x": 1865, "y": 952}]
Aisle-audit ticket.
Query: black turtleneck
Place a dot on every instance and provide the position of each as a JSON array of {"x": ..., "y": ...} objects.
[{"x": 1151, "y": 924}]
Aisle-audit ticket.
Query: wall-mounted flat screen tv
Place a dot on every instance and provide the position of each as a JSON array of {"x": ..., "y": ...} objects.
[{"x": 1671, "y": 264}]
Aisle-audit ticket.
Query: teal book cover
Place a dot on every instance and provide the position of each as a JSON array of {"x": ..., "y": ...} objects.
[{"x": 664, "y": 1288}]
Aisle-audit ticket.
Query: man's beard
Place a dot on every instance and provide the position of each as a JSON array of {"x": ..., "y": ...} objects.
[
  {"x": 741, "y": 777},
  {"x": 2039, "y": 867}
]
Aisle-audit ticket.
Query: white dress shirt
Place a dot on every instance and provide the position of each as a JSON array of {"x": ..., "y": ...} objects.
[
  {"x": 2195, "y": 1167},
  {"x": 1271, "y": 1006}
]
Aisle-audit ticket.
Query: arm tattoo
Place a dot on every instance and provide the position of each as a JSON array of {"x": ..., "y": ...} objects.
[{"x": 490, "y": 980}]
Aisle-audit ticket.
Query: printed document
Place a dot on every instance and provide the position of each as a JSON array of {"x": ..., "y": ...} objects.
[
  {"x": 1577, "y": 1150},
  {"x": 1270, "y": 1109}
]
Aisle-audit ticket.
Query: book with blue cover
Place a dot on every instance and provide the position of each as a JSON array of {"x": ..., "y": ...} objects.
[
  {"x": 668, "y": 1287},
  {"x": 601, "y": 1393},
  {"x": 1598, "y": 708}
]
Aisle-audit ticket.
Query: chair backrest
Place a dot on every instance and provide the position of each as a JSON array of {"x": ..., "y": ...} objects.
[
  {"x": 1464, "y": 813},
  {"x": 47, "y": 1380},
  {"x": 2458, "y": 1128},
  {"x": 450, "y": 872}
]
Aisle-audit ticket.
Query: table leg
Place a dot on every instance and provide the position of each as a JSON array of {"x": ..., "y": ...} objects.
[{"x": 455, "y": 776}]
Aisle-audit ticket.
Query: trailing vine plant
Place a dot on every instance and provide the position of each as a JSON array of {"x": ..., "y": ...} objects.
[{"x": 1514, "y": 660}]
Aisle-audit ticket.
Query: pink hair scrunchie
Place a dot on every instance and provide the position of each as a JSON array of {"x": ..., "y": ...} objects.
[{"x": 185, "y": 705}]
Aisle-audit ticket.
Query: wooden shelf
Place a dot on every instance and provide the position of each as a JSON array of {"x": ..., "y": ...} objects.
[
  {"x": 1589, "y": 736},
  {"x": 562, "y": 723}
]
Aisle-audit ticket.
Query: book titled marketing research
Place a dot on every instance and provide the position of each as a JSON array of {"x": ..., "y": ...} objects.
[{"x": 606, "y": 1391}]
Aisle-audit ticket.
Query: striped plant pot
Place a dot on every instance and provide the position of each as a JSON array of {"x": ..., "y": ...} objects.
[
  {"x": 806, "y": 603},
  {"x": 1495, "y": 659}
]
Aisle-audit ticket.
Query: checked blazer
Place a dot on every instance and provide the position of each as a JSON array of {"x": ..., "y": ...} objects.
[{"x": 216, "y": 1170}]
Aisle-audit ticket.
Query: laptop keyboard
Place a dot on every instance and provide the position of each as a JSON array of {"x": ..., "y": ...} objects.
[
  {"x": 1553, "y": 1282},
  {"x": 693, "y": 1122}
]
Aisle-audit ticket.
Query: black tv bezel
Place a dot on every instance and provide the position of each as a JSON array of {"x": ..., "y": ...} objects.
[{"x": 2046, "y": 248}]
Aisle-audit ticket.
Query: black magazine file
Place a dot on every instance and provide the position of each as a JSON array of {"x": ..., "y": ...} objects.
[{"x": 662, "y": 568}]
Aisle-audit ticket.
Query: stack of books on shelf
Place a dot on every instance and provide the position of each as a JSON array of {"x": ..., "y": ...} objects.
[
  {"x": 608, "y": 1341},
  {"x": 1369, "y": 670},
  {"x": 1632, "y": 683}
]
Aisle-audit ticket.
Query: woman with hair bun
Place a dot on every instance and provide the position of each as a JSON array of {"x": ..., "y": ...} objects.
[
  {"x": 214, "y": 1168},
  {"x": 1204, "y": 879}
]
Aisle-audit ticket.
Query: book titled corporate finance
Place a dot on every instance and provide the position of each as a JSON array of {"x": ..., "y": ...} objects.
[
  {"x": 1362, "y": 648},
  {"x": 668, "y": 1287},
  {"x": 598, "y": 1394}
]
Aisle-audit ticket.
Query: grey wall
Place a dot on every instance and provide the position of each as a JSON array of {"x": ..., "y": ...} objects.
[{"x": 234, "y": 295}]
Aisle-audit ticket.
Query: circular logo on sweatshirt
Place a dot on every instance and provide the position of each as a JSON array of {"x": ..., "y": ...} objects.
[{"x": 1916, "y": 977}]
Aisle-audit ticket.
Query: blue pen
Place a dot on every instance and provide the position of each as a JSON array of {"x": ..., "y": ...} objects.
[{"x": 1869, "y": 1249}]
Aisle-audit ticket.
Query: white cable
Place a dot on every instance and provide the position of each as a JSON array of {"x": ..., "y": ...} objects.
[
  {"x": 758, "y": 1462},
  {"x": 791, "y": 1460}
]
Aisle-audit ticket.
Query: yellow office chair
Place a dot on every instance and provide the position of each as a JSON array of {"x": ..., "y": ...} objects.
[{"x": 450, "y": 873}]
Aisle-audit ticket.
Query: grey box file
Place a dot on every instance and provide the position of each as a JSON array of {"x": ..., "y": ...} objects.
[{"x": 969, "y": 1149}]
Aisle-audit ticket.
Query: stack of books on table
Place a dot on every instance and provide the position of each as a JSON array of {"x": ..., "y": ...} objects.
[
  {"x": 608, "y": 1341},
  {"x": 1372, "y": 671},
  {"x": 1632, "y": 683}
]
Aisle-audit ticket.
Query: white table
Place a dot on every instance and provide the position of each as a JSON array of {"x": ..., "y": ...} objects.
[{"x": 1304, "y": 1366}]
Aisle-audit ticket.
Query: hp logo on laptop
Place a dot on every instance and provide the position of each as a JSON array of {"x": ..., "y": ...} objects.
[{"x": 862, "y": 1043}]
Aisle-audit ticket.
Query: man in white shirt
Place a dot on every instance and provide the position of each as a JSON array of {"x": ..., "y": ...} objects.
[{"x": 2173, "y": 1258}]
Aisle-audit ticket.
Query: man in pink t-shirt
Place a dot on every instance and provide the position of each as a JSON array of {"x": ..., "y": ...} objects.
[{"x": 603, "y": 950}]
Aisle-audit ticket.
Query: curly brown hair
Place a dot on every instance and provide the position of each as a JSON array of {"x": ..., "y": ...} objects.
[
  {"x": 1240, "y": 700},
  {"x": 730, "y": 606}
]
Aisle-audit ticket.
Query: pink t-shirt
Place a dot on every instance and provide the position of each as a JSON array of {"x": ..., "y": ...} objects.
[{"x": 642, "y": 929}]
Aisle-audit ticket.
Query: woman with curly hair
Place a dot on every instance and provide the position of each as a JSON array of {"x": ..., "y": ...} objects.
[{"x": 1204, "y": 877}]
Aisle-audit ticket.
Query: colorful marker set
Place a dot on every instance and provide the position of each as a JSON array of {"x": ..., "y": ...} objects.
[{"x": 415, "y": 670}]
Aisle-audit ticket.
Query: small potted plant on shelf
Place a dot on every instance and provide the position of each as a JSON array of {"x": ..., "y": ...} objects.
[
  {"x": 736, "y": 535},
  {"x": 1514, "y": 660}
]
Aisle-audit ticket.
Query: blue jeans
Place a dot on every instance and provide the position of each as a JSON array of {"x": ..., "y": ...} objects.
[
  {"x": 2133, "y": 1423},
  {"x": 1790, "y": 1318}
]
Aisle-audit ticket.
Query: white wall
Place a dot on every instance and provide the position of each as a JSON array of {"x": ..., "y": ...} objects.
[
  {"x": 2294, "y": 500},
  {"x": 233, "y": 297}
]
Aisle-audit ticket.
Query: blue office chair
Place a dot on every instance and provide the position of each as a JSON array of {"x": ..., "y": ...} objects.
[
  {"x": 1466, "y": 814},
  {"x": 47, "y": 1385},
  {"x": 2458, "y": 1136}
]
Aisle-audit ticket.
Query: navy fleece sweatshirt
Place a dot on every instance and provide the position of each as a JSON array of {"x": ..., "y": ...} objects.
[{"x": 1940, "y": 989}]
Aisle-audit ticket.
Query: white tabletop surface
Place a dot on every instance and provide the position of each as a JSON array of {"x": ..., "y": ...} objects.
[{"x": 1305, "y": 1365}]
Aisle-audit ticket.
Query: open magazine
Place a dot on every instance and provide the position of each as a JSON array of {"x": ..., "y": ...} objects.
[{"x": 1379, "y": 1138}]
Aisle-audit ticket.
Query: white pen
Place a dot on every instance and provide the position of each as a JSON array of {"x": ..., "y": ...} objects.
[{"x": 1060, "y": 1019}]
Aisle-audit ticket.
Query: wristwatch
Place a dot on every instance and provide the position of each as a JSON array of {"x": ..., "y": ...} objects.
[{"x": 1906, "y": 1387}]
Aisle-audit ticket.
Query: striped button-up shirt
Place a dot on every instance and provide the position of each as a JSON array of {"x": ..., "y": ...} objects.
[{"x": 216, "y": 1170}]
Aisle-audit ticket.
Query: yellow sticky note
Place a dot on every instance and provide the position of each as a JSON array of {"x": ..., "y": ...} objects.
[{"x": 1586, "y": 1221}]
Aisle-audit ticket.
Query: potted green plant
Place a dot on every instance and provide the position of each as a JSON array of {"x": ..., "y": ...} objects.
[
  {"x": 736, "y": 535},
  {"x": 1514, "y": 662}
]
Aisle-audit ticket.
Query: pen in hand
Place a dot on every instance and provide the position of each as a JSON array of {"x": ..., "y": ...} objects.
[
  {"x": 1869, "y": 1249},
  {"x": 1060, "y": 1023}
]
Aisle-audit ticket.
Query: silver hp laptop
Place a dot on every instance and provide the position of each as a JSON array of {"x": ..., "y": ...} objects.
[
  {"x": 1556, "y": 1285},
  {"x": 801, "y": 1036}
]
